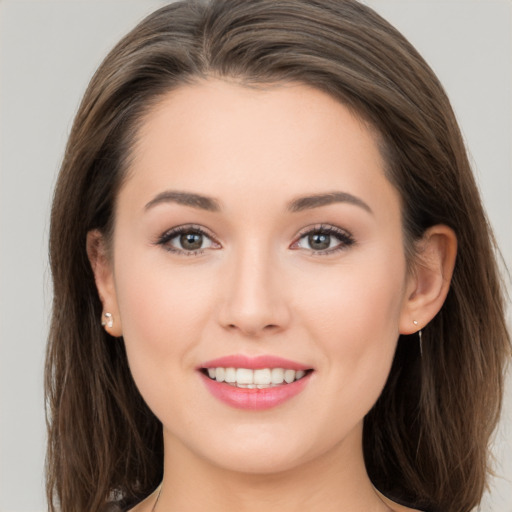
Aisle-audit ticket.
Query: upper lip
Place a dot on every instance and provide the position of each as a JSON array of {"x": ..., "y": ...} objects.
[{"x": 253, "y": 363}]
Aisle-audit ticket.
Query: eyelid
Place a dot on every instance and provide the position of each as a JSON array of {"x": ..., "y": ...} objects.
[
  {"x": 181, "y": 228},
  {"x": 175, "y": 231},
  {"x": 345, "y": 237}
]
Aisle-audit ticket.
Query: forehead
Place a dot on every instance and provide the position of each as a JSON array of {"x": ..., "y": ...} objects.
[
  {"x": 281, "y": 140},
  {"x": 239, "y": 110}
]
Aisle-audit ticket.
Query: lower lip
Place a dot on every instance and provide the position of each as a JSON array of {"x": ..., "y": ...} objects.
[{"x": 254, "y": 399}]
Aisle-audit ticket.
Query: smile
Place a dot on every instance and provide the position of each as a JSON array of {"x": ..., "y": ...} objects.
[
  {"x": 254, "y": 383},
  {"x": 262, "y": 378}
]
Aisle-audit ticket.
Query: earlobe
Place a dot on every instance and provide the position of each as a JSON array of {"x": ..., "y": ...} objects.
[
  {"x": 101, "y": 264},
  {"x": 430, "y": 278}
]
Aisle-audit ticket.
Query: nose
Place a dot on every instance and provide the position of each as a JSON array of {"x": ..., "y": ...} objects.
[{"x": 253, "y": 302}]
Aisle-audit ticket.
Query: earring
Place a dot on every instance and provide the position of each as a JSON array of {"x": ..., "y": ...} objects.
[
  {"x": 109, "y": 322},
  {"x": 415, "y": 322}
]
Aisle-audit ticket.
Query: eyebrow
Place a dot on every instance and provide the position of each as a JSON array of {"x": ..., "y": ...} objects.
[
  {"x": 186, "y": 198},
  {"x": 296, "y": 205},
  {"x": 315, "y": 201}
]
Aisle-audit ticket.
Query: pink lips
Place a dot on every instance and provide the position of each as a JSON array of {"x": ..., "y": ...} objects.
[
  {"x": 254, "y": 399},
  {"x": 253, "y": 363}
]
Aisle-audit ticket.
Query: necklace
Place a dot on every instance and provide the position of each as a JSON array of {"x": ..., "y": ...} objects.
[{"x": 156, "y": 501}]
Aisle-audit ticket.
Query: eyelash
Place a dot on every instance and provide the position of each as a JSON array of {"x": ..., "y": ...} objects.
[
  {"x": 344, "y": 237},
  {"x": 179, "y": 230}
]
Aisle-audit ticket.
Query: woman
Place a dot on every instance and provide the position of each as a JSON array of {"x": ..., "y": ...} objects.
[{"x": 274, "y": 280}]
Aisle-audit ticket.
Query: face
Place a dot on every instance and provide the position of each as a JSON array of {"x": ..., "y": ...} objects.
[{"x": 257, "y": 231}]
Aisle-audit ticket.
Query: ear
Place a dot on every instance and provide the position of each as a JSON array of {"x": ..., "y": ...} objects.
[
  {"x": 429, "y": 280},
  {"x": 102, "y": 267}
]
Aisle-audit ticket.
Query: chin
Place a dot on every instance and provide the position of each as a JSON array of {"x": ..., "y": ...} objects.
[
  {"x": 265, "y": 450},
  {"x": 260, "y": 462}
]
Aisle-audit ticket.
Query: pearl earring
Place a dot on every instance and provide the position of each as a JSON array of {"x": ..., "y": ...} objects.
[{"x": 109, "y": 322}]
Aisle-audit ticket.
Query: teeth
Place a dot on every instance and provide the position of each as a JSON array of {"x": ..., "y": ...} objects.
[
  {"x": 277, "y": 375},
  {"x": 244, "y": 376},
  {"x": 289, "y": 376},
  {"x": 262, "y": 376},
  {"x": 230, "y": 375},
  {"x": 255, "y": 379},
  {"x": 220, "y": 373}
]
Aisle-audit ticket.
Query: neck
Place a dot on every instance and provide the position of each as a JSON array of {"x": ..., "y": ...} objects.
[{"x": 334, "y": 481}]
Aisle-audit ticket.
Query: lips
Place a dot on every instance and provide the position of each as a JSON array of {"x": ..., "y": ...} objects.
[{"x": 254, "y": 383}]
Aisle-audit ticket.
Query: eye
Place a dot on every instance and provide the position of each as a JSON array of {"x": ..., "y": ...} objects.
[
  {"x": 324, "y": 239},
  {"x": 187, "y": 240}
]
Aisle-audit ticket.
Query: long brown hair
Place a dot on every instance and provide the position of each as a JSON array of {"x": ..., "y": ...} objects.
[{"x": 426, "y": 438}]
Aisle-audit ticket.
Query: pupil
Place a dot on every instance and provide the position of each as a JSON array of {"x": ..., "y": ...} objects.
[
  {"x": 191, "y": 241},
  {"x": 319, "y": 241}
]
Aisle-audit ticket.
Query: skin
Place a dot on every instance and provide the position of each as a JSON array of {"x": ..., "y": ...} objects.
[{"x": 258, "y": 287}]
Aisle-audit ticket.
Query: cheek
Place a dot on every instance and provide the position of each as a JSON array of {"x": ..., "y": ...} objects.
[
  {"x": 354, "y": 316},
  {"x": 160, "y": 301},
  {"x": 361, "y": 301},
  {"x": 163, "y": 313}
]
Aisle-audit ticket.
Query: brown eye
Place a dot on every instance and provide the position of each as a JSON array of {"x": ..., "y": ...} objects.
[
  {"x": 324, "y": 239},
  {"x": 191, "y": 241},
  {"x": 319, "y": 241},
  {"x": 187, "y": 240}
]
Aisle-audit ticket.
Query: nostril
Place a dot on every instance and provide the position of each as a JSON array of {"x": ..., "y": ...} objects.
[{"x": 253, "y": 330}]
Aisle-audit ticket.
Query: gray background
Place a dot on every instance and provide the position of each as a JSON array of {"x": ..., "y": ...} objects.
[{"x": 48, "y": 51}]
